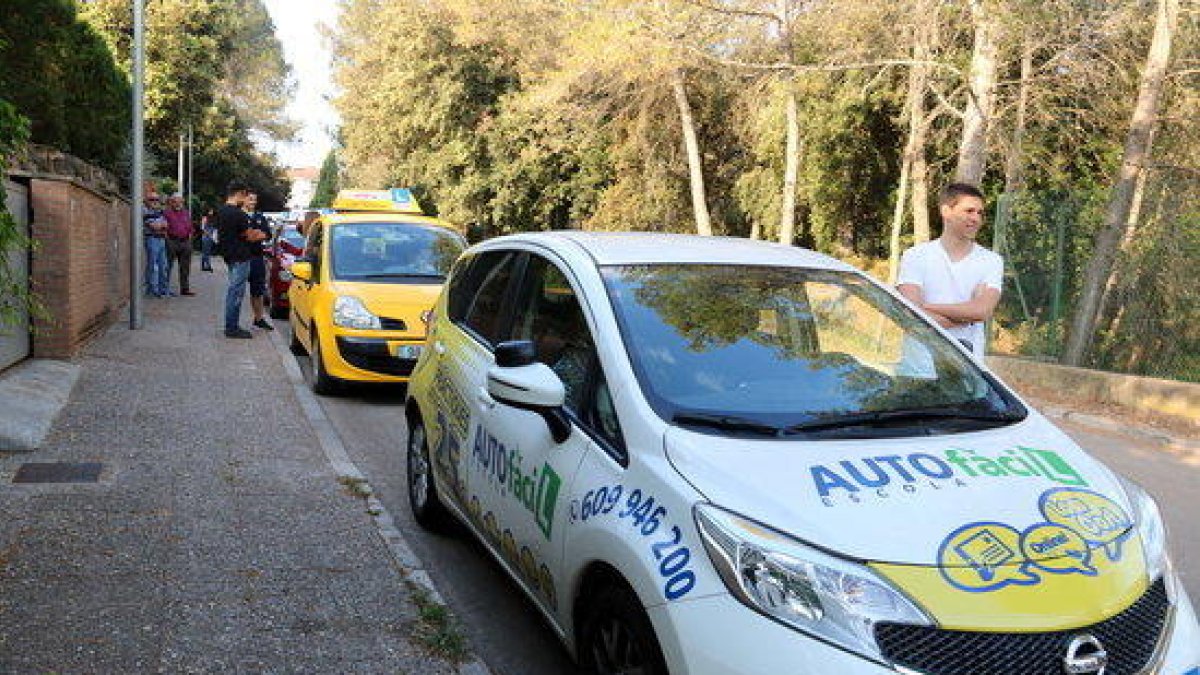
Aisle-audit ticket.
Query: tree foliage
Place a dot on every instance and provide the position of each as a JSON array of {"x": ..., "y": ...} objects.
[
  {"x": 215, "y": 65},
  {"x": 547, "y": 114},
  {"x": 328, "y": 182},
  {"x": 59, "y": 73}
]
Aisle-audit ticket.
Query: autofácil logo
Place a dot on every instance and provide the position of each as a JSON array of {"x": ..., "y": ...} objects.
[
  {"x": 535, "y": 489},
  {"x": 880, "y": 477}
]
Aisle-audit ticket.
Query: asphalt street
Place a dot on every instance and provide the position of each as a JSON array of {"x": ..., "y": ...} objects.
[{"x": 508, "y": 633}]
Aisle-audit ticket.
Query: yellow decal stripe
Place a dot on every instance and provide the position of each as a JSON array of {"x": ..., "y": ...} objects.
[{"x": 1058, "y": 597}]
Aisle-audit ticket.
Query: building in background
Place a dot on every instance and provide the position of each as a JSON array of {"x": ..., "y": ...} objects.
[{"x": 304, "y": 183}]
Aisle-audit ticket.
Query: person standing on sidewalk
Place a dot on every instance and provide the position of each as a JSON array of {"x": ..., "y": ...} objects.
[
  {"x": 179, "y": 241},
  {"x": 236, "y": 239},
  {"x": 258, "y": 263},
  {"x": 154, "y": 233},
  {"x": 208, "y": 243},
  {"x": 954, "y": 280}
]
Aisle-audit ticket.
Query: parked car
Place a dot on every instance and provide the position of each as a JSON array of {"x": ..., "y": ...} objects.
[
  {"x": 705, "y": 455},
  {"x": 361, "y": 294},
  {"x": 287, "y": 245}
]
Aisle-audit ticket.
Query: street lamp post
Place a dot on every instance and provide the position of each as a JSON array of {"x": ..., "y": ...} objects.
[{"x": 136, "y": 244}]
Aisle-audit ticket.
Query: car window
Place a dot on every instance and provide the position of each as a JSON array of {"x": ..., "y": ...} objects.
[
  {"x": 491, "y": 273},
  {"x": 549, "y": 315},
  {"x": 292, "y": 236}
]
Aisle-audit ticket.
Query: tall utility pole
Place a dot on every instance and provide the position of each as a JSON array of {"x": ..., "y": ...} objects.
[
  {"x": 136, "y": 254},
  {"x": 191, "y": 164},
  {"x": 179, "y": 166}
]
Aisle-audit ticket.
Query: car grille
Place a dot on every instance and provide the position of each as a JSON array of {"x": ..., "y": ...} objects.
[
  {"x": 392, "y": 324},
  {"x": 374, "y": 356},
  {"x": 1129, "y": 638}
]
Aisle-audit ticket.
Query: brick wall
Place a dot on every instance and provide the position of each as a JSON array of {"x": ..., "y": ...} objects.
[{"x": 80, "y": 263}]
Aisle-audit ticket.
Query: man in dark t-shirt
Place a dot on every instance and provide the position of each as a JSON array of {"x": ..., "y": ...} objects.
[
  {"x": 257, "y": 279},
  {"x": 238, "y": 246}
]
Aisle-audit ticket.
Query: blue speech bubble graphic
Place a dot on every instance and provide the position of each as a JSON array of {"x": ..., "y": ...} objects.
[
  {"x": 1100, "y": 521},
  {"x": 984, "y": 556},
  {"x": 1058, "y": 549}
]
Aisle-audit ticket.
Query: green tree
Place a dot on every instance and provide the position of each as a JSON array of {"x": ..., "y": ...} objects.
[
  {"x": 59, "y": 73},
  {"x": 328, "y": 182}
]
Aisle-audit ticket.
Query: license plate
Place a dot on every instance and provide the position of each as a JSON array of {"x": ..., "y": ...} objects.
[{"x": 408, "y": 351}]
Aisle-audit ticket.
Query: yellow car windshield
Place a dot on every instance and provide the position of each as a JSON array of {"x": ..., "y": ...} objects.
[{"x": 393, "y": 252}]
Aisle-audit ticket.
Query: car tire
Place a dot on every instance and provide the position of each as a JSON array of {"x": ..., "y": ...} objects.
[
  {"x": 322, "y": 383},
  {"x": 294, "y": 343},
  {"x": 616, "y": 636},
  {"x": 423, "y": 497}
]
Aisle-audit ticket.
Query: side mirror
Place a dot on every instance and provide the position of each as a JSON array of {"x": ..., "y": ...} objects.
[
  {"x": 302, "y": 270},
  {"x": 519, "y": 381}
]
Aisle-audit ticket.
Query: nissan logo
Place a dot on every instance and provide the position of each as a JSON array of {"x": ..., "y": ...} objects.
[{"x": 1085, "y": 656}]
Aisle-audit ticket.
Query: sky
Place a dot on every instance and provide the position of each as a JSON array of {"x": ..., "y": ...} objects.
[{"x": 304, "y": 48}]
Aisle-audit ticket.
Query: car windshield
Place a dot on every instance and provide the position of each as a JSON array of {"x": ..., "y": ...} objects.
[
  {"x": 292, "y": 236},
  {"x": 393, "y": 252},
  {"x": 787, "y": 350}
]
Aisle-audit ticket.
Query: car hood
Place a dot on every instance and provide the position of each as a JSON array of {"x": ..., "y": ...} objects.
[
  {"x": 1009, "y": 495},
  {"x": 394, "y": 301}
]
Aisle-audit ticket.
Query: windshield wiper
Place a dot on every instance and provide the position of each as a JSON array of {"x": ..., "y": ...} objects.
[
  {"x": 901, "y": 415},
  {"x": 726, "y": 422}
]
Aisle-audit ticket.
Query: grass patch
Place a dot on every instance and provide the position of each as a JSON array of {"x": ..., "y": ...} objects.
[{"x": 436, "y": 627}]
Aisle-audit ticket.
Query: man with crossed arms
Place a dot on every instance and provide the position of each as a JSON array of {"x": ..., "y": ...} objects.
[{"x": 954, "y": 280}]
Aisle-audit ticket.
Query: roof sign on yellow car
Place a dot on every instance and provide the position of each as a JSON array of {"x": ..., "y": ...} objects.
[{"x": 395, "y": 200}]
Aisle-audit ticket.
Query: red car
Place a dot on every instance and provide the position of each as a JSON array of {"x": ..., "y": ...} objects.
[{"x": 285, "y": 248}]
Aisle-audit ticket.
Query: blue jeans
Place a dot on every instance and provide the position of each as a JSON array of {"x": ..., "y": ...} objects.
[
  {"x": 238, "y": 272},
  {"x": 206, "y": 251},
  {"x": 156, "y": 266}
]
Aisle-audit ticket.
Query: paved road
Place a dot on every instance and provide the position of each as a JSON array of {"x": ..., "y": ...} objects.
[
  {"x": 504, "y": 629},
  {"x": 509, "y": 634}
]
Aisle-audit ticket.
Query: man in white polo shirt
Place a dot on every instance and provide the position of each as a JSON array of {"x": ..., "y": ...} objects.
[{"x": 954, "y": 280}]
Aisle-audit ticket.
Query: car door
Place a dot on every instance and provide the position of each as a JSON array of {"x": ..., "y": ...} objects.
[
  {"x": 479, "y": 300},
  {"x": 523, "y": 474},
  {"x": 301, "y": 292}
]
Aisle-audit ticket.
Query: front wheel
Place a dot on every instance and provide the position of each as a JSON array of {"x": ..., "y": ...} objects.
[
  {"x": 617, "y": 637},
  {"x": 423, "y": 498},
  {"x": 322, "y": 382}
]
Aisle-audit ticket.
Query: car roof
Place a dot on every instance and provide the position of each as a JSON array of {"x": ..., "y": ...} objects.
[{"x": 635, "y": 248}]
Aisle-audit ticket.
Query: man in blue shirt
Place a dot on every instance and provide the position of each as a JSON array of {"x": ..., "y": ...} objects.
[{"x": 257, "y": 277}]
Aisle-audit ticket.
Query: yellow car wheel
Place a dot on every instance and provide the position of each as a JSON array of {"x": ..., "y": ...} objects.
[{"x": 322, "y": 382}]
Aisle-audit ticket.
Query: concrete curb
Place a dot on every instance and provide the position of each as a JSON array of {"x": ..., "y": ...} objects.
[
  {"x": 33, "y": 393},
  {"x": 1180, "y": 400},
  {"x": 1183, "y": 446},
  {"x": 348, "y": 472}
]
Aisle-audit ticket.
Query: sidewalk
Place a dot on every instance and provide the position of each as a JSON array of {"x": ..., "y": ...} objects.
[{"x": 217, "y": 538}]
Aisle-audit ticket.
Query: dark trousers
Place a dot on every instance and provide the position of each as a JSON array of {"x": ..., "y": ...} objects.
[{"x": 180, "y": 250}]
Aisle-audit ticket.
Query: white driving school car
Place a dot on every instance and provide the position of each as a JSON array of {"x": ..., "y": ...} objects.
[{"x": 708, "y": 455}]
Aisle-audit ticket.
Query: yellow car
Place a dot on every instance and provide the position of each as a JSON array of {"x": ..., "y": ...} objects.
[{"x": 361, "y": 295}]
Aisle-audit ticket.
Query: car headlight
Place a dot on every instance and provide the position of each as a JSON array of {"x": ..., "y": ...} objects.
[
  {"x": 832, "y": 599},
  {"x": 350, "y": 312},
  {"x": 1150, "y": 526}
]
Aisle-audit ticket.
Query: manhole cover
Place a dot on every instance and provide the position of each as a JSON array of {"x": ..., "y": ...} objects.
[{"x": 59, "y": 472}]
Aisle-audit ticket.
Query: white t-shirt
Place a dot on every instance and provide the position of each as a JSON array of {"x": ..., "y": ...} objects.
[{"x": 944, "y": 282}]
